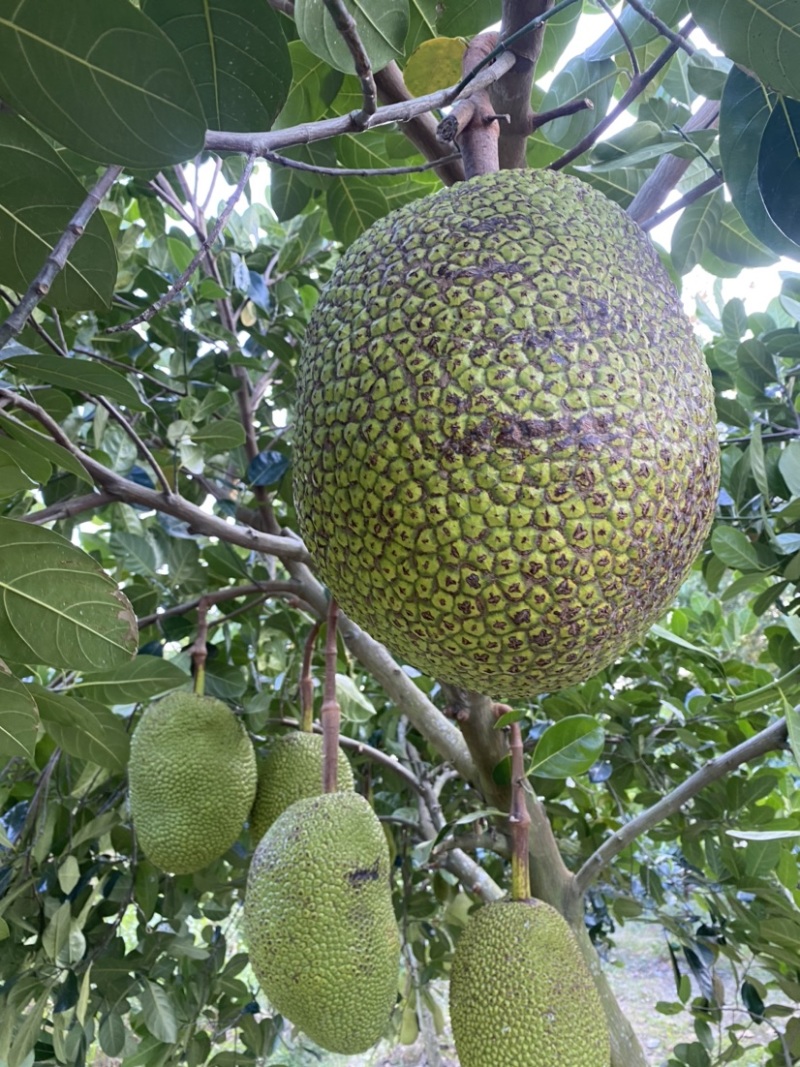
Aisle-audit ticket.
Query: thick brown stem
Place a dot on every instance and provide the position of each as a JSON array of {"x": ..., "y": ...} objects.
[
  {"x": 519, "y": 820},
  {"x": 511, "y": 96},
  {"x": 330, "y": 713},
  {"x": 306, "y": 681}
]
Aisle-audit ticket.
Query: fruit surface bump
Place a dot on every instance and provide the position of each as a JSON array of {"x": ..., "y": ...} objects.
[
  {"x": 521, "y": 994},
  {"x": 319, "y": 922},
  {"x": 505, "y": 449},
  {"x": 291, "y": 770},
  {"x": 192, "y": 777}
]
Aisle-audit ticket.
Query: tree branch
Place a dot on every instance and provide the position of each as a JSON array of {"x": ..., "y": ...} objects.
[
  {"x": 140, "y": 445},
  {"x": 306, "y": 133},
  {"x": 714, "y": 182},
  {"x": 772, "y": 737},
  {"x": 625, "y": 38},
  {"x": 220, "y": 596},
  {"x": 638, "y": 83},
  {"x": 346, "y": 25},
  {"x": 662, "y": 27},
  {"x": 474, "y": 118},
  {"x": 57, "y": 258},
  {"x": 67, "y": 509},
  {"x": 287, "y": 547},
  {"x": 358, "y": 172},
  {"x": 202, "y": 251},
  {"x": 670, "y": 169}
]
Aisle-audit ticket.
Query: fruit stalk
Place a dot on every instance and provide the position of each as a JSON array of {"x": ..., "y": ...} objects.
[
  {"x": 199, "y": 650},
  {"x": 520, "y": 821},
  {"x": 306, "y": 684},
  {"x": 330, "y": 712}
]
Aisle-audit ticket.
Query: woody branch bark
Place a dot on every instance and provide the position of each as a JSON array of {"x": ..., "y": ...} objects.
[{"x": 512, "y": 96}]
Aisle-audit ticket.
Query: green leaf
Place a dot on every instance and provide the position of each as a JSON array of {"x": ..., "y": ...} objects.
[
  {"x": 695, "y": 229},
  {"x": 19, "y": 718},
  {"x": 732, "y": 241},
  {"x": 434, "y": 65},
  {"x": 779, "y": 168},
  {"x": 39, "y": 195},
  {"x": 356, "y": 707},
  {"x": 465, "y": 18},
  {"x": 382, "y": 26},
  {"x": 353, "y": 205},
  {"x": 761, "y": 35},
  {"x": 81, "y": 374},
  {"x": 112, "y": 1034},
  {"x": 143, "y": 678},
  {"x": 28, "y": 1032},
  {"x": 744, "y": 112},
  {"x": 89, "y": 733},
  {"x": 789, "y": 466},
  {"x": 637, "y": 29},
  {"x": 158, "y": 1012},
  {"x": 793, "y": 728},
  {"x": 568, "y": 748},
  {"x": 220, "y": 435},
  {"x": 102, "y": 79},
  {"x": 735, "y": 550},
  {"x": 38, "y": 443},
  {"x": 578, "y": 80},
  {"x": 236, "y": 55},
  {"x": 58, "y": 607},
  {"x": 764, "y": 835}
]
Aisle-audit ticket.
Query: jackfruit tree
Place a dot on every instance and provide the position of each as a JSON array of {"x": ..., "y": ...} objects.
[{"x": 483, "y": 321}]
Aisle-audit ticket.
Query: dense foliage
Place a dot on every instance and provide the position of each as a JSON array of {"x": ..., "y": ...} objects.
[{"x": 145, "y": 478}]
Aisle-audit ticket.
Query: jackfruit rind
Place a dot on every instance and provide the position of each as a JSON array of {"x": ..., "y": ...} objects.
[
  {"x": 505, "y": 452},
  {"x": 291, "y": 770},
  {"x": 192, "y": 778},
  {"x": 319, "y": 922},
  {"x": 521, "y": 994}
]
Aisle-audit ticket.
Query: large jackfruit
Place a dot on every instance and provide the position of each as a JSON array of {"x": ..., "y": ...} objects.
[
  {"x": 506, "y": 449},
  {"x": 291, "y": 770},
  {"x": 319, "y": 922},
  {"x": 192, "y": 776},
  {"x": 521, "y": 994}
]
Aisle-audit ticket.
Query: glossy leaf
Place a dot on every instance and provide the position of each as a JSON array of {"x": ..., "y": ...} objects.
[
  {"x": 695, "y": 229},
  {"x": 57, "y": 606},
  {"x": 779, "y": 168},
  {"x": 267, "y": 468},
  {"x": 381, "y": 24},
  {"x": 81, "y": 374},
  {"x": 744, "y": 112},
  {"x": 236, "y": 56},
  {"x": 101, "y": 78},
  {"x": 143, "y": 678},
  {"x": 158, "y": 1012},
  {"x": 465, "y": 18},
  {"x": 39, "y": 195},
  {"x": 568, "y": 748},
  {"x": 19, "y": 718},
  {"x": 90, "y": 733},
  {"x": 579, "y": 80},
  {"x": 761, "y": 35}
]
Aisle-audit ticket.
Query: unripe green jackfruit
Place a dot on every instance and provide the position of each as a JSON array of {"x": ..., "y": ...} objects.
[
  {"x": 192, "y": 776},
  {"x": 521, "y": 994},
  {"x": 319, "y": 922},
  {"x": 291, "y": 770},
  {"x": 506, "y": 451}
]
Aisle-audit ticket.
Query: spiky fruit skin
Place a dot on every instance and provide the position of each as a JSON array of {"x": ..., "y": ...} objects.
[
  {"x": 521, "y": 994},
  {"x": 505, "y": 452},
  {"x": 292, "y": 770},
  {"x": 319, "y": 921},
  {"x": 192, "y": 778}
]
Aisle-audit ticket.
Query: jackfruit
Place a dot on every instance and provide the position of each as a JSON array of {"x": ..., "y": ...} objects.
[
  {"x": 521, "y": 994},
  {"x": 291, "y": 770},
  {"x": 192, "y": 778},
  {"x": 319, "y": 922},
  {"x": 505, "y": 451}
]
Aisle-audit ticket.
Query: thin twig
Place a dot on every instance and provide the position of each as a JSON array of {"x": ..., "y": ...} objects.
[
  {"x": 306, "y": 679},
  {"x": 57, "y": 257},
  {"x": 141, "y": 447},
  {"x": 358, "y": 172},
  {"x": 623, "y": 34},
  {"x": 67, "y": 509},
  {"x": 219, "y": 596},
  {"x": 773, "y": 737},
  {"x": 127, "y": 369},
  {"x": 662, "y": 27},
  {"x": 284, "y": 547},
  {"x": 571, "y": 108},
  {"x": 638, "y": 84},
  {"x": 346, "y": 25},
  {"x": 205, "y": 245},
  {"x": 330, "y": 712},
  {"x": 714, "y": 182}
]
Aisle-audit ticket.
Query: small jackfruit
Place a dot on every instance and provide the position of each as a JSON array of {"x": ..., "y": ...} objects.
[
  {"x": 521, "y": 994},
  {"x": 319, "y": 922},
  {"x": 192, "y": 777},
  {"x": 292, "y": 770}
]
